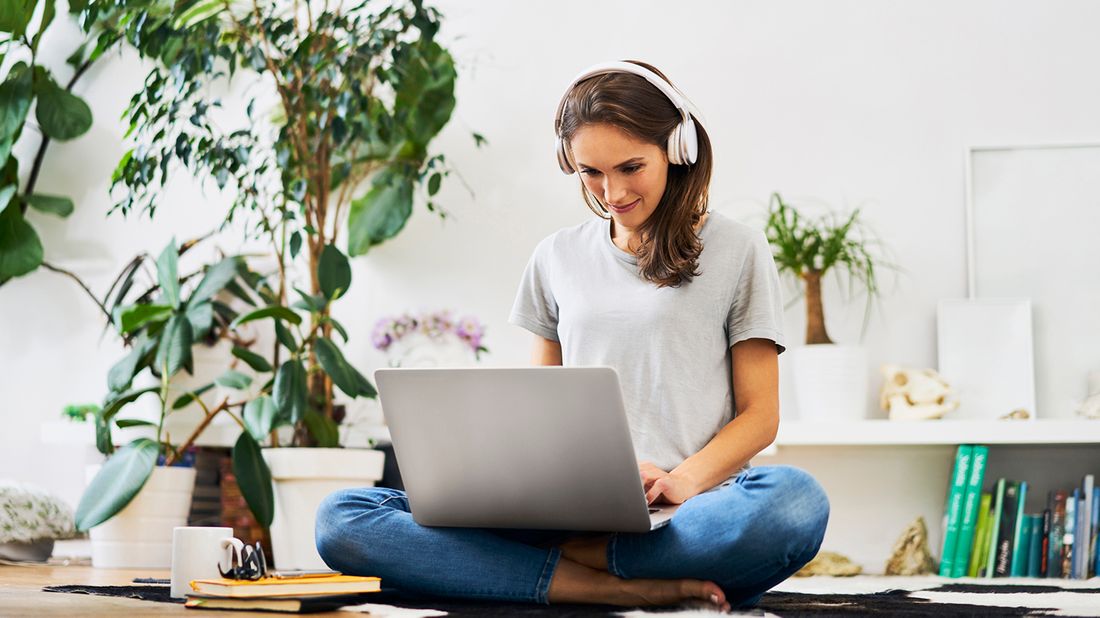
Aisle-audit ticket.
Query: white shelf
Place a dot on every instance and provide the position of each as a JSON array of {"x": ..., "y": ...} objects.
[{"x": 885, "y": 432}]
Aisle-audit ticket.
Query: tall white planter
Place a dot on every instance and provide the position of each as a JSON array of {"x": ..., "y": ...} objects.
[
  {"x": 302, "y": 477},
  {"x": 830, "y": 381},
  {"x": 140, "y": 535}
]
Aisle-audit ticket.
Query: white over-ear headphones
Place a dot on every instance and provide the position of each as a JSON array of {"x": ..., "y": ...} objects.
[{"x": 683, "y": 142}]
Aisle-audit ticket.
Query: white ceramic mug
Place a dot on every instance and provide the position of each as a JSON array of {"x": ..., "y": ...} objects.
[{"x": 196, "y": 551}]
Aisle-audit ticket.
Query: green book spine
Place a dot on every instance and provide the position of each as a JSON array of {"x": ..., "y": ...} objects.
[
  {"x": 959, "y": 478},
  {"x": 1020, "y": 544},
  {"x": 981, "y": 536},
  {"x": 969, "y": 520},
  {"x": 995, "y": 526}
]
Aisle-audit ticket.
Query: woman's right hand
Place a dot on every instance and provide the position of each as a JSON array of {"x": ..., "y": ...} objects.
[{"x": 650, "y": 473}]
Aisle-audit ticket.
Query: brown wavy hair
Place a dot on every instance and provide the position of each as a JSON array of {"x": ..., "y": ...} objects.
[{"x": 669, "y": 251}]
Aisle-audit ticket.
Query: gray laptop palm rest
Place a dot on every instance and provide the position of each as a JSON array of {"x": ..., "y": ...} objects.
[{"x": 533, "y": 447}]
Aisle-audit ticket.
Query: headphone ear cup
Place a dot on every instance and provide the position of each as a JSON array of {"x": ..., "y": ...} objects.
[
  {"x": 689, "y": 139},
  {"x": 674, "y": 146},
  {"x": 563, "y": 160}
]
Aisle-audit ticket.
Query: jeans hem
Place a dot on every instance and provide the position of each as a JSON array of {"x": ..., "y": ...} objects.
[
  {"x": 612, "y": 564},
  {"x": 542, "y": 588}
]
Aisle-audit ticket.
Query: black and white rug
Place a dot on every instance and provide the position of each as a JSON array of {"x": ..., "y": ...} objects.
[{"x": 816, "y": 596}]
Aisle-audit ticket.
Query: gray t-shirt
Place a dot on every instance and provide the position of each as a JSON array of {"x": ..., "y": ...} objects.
[{"x": 670, "y": 346}]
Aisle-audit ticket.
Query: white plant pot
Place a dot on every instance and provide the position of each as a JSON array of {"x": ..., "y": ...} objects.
[
  {"x": 302, "y": 478},
  {"x": 140, "y": 535},
  {"x": 830, "y": 382}
]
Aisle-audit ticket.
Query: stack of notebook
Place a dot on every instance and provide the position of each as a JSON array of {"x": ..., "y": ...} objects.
[{"x": 282, "y": 594}]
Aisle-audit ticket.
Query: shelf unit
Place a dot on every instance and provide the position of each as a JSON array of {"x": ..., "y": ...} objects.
[{"x": 937, "y": 432}]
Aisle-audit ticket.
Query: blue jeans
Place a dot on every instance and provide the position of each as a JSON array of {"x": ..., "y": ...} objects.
[{"x": 746, "y": 537}]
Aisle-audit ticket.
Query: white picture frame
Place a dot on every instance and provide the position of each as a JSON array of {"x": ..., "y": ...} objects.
[
  {"x": 1032, "y": 215},
  {"x": 986, "y": 355}
]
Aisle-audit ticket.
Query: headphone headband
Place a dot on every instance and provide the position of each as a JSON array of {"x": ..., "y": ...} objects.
[{"x": 683, "y": 145}]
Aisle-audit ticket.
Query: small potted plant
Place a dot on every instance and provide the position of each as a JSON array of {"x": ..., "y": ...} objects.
[
  {"x": 830, "y": 378},
  {"x": 133, "y": 500}
]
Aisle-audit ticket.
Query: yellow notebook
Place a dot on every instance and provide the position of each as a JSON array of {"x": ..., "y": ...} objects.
[{"x": 272, "y": 587}]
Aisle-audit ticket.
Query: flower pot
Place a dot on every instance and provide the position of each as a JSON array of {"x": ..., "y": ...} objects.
[
  {"x": 140, "y": 535},
  {"x": 302, "y": 477},
  {"x": 830, "y": 382}
]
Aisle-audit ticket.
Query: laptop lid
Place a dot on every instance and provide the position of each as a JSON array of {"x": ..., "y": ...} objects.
[{"x": 530, "y": 447}]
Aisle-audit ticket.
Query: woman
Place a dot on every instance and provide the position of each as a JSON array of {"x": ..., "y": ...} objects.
[{"x": 686, "y": 306}]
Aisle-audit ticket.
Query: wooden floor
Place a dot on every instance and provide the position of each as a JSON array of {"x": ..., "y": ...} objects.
[{"x": 21, "y": 594}]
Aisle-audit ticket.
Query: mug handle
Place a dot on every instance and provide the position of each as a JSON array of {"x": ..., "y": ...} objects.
[{"x": 233, "y": 548}]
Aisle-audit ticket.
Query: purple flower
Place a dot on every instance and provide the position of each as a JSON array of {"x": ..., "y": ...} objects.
[{"x": 469, "y": 330}]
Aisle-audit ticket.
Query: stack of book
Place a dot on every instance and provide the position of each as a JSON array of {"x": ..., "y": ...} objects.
[
  {"x": 989, "y": 533},
  {"x": 304, "y": 594}
]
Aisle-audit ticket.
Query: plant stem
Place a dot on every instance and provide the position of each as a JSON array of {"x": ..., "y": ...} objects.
[
  {"x": 815, "y": 315},
  {"x": 83, "y": 286},
  {"x": 210, "y": 414}
]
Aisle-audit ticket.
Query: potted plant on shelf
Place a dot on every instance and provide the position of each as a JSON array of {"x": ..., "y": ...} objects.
[
  {"x": 359, "y": 95},
  {"x": 830, "y": 378},
  {"x": 131, "y": 503}
]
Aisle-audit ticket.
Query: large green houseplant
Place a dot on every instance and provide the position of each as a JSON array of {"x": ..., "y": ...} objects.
[
  {"x": 830, "y": 379},
  {"x": 337, "y": 161},
  {"x": 58, "y": 115}
]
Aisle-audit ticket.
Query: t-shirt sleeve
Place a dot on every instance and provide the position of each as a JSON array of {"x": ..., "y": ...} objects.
[
  {"x": 535, "y": 307},
  {"x": 757, "y": 308}
]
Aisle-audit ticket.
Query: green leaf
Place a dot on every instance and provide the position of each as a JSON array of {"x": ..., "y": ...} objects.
[
  {"x": 168, "y": 274},
  {"x": 233, "y": 379},
  {"x": 259, "y": 417},
  {"x": 201, "y": 317},
  {"x": 136, "y": 316},
  {"x": 216, "y": 278},
  {"x": 15, "y": 15},
  {"x": 113, "y": 404},
  {"x": 199, "y": 12},
  {"x": 61, "y": 114},
  {"x": 310, "y": 302},
  {"x": 290, "y": 390},
  {"x": 425, "y": 89},
  {"x": 254, "y": 478},
  {"x": 253, "y": 360},
  {"x": 337, "y": 367},
  {"x": 334, "y": 272},
  {"x": 20, "y": 249},
  {"x": 118, "y": 481},
  {"x": 275, "y": 311},
  {"x": 174, "y": 350},
  {"x": 16, "y": 94},
  {"x": 48, "y": 12},
  {"x": 323, "y": 428},
  {"x": 282, "y": 333},
  {"x": 295, "y": 244},
  {"x": 381, "y": 213},
  {"x": 339, "y": 328},
  {"x": 183, "y": 400},
  {"x": 52, "y": 204},
  {"x": 433, "y": 183},
  {"x": 122, "y": 373},
  {"x": 123, "y": 423},
  {"x": 103, "y": 441}
]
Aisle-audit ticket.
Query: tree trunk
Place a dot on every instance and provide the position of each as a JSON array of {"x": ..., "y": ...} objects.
[{"x": 815, "y": 315}]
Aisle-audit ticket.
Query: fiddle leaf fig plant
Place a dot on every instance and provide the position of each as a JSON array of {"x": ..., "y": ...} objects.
[
  {"x": 807, "y": 249},
  {"x": 59, "y": 114}
]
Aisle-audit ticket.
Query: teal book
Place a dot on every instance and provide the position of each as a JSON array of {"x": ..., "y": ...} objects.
[
  {"x": 1035, "y": 550},
  {"x": 1020, "y": 528},
  {"x": 953, "y": 508},
  {"x": 995, "y": 528},
  {"x": 971, "y": 502}
]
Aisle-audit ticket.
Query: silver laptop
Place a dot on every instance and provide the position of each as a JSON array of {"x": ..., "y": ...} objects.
[{"x": 535, "y": 447}]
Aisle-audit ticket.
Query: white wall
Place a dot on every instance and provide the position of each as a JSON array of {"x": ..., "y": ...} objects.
[{"x": 859, "y": 102}]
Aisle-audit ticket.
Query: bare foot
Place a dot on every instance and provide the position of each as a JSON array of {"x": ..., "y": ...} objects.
[
  {"x": 591, "y": 551},
  {"x": 577, "y": 583}
]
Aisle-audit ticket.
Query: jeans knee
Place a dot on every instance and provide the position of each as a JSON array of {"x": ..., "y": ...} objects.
[
  {"x": 338, "y": 513},
  {"x": 800, "y": 512}
]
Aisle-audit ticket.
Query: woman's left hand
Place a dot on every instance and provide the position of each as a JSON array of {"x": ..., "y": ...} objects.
[{"x": 670, "y": 489}]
